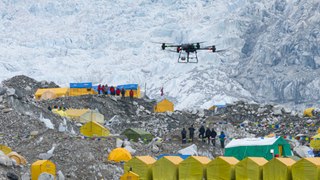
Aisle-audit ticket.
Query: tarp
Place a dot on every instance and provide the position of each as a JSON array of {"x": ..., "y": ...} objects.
[
  {"x": 59, "y": 92},
  {"x": 129, "y": 176},
  {"x": 166, "y": 168},
  {"x": 42, "y": 166},
  {"x": 180, "y": 155},
  {"x": 61, "y": 113},
  {"x": 128, "y": 86},
  {"x": 303, "y": 151},
  {"x": 92, "y": 115},
  {"x": 134, "y": 134},
  {"x": 94, "y": 129},
  {"x": 250, "y": 168},
  {"x": 5, "y": 149},
  {"x": 257, "y": 147},
  {"x": 278, "y": 169},
  {"x": 190, "y": 150},
  {"x": 119, "y": 154},
  {"x": 20, "y": 160},
  {"x": 75, "y": 113},
  {"x": 315, "y": 142},
  {"x": 141, "y": 165},
  {"x": 306, "y": 169},
  {"x": 308, "y": 112},
  {"x": 222, "y": 168},
  {"x": 164, "y": 106},
  {"x": 81, "y": 85},
  {"x": 81, "y": 91},
  {"x": 193, "y": 168},
  {"x": 49, "y": 94}
]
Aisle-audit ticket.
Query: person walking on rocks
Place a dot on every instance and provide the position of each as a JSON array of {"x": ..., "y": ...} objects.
[
  {"x": 103, "y": 89},
  {"x": 112, "y": 91},
  {"x": 99, "y": 89},
  {"x": 123, "y": 92},
  {"x": 202, "y": 130},
  {"x": 213, "y": 137},
  {"x": 222, "y": 137},
  {"x": 208, "y": 134},
  {"x": 191, "y": 132},
  {"x": 184, "y": 136},
  {"x": 131, "y": 94}
]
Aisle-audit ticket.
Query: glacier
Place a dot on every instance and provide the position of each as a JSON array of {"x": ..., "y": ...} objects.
[{"x": 272, "y": 47}]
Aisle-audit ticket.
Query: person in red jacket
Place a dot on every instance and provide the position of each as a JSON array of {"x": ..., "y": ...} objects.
[
  {"x": 99, "y": 89},
  {"x": 118, "y": 91},
  {"x": 112, "y": 91},
  {"x": 131, "y": 94},
  {"x": 103, "y": 89}
]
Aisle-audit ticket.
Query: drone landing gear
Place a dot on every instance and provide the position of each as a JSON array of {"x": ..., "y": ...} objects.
[{"x": 188, "y": 59}]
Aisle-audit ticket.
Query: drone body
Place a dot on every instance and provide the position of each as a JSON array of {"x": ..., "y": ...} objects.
[{"x": 190, "y": 49}]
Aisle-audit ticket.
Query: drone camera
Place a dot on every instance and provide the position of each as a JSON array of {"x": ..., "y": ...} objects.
[{"x": 163, "y": 46}]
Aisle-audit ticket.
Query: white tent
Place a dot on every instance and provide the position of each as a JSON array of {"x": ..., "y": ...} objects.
[{"x": 190, "y": 150}]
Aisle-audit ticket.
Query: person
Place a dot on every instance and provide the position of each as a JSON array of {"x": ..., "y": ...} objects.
[
  {"x": 118, "y": 92},
  {"x": 112, "y": 91},
  {"x": 131, "y": 94},
  {"x": 103, "y": 89},
  {"x": 123, "y": 92},
  {"x": 49, "y": 108},
  {"x": 99, "y": 89},
  {"x": 191, "y": 132},
  {"x": 222, "y": 137},
  {"x": 213, "y": 137},
  {"x": 201, "y": 132},
  {"x": 208, "y": 134},
  {"x": 184, "y": 136},
  {"x": 106, "y": 89}
]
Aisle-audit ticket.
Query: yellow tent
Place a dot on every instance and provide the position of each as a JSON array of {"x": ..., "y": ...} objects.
[
  {"x": 119, "y": 154},
  {"x": 75, "y": 113},
  {"x": 5, "y": 149},
  {"x": 308, "y": 112},
  {"x": 61, "y": 113},
  {"x": 141, "y": 165},
  {"x": 81, "y": 91},
  {"x": 94, "y": 129},
  {"x": 193, "y": 168},
  {"x": 129, "y": 176},
  {"x": 42, "y": 166},
  {"x": 163, "y": 106},
  {"x": 20, "y": 160},
  {"x": 278, "y": 169},
  {"x": 166, "y": 168},
  {"x": 212, "y": 108},
  {"x": 222, "y": 168},
  {"x": 250, "y": 168},
  {"x": 315, "y": 142},
  {"x": 49, "y": 94},
  {"x": 59, "y": 92},
  {"x": 92, "y": 115},
  {"x": 306, "y": 169}
]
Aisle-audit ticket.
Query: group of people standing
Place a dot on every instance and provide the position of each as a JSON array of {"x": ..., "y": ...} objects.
[
  {"x": 104, "y": 89},
  {"x": 204, "y": 134}
]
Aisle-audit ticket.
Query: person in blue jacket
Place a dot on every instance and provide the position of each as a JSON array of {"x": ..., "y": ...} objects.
[{"x": 222, "y": 138}]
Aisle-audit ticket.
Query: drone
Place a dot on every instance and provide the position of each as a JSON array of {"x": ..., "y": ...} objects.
[{"x": 190, "y": 49}]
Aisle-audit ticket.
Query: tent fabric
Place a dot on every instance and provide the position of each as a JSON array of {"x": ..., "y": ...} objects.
[
  {"x": 222, "y": 168},
  {"x": 193, "y": 168},
  {"x": 129, "y": 176},
  {"x": 94, "y": 129},
  {"x": 166, "y": 168},
  {"x": 134, "y": 134},
  {"x": 61, "y": 113},
  {"x": 250, "y": 168},
  {"x": 180, "y": 155},
  {"x": 190, "y": 150},
  {"x": 141, "y": 165},
  {"x": 92, "y": 115},
  {"x": 308, "y": 112},
  {"x": 315, "y": 142},
  {"x": 81, "y": 91},
  {"x": 278, "y": 169},
  {"x": 306, "y": 169},
  {"x": 49, "y": 94},
  {"x": 119, "y": 154},
  {"x": 81, "y": 85},
  {"x": 59, "y": 92},
  {"x": 257, "y": 147},
  {"x": 20, "y": 160},
  {"x": 164, "y": 106},
  {"x": 42, "y": 166},
  {"x": 5, "y": 149},
  {"x": 75, "y": 113}
]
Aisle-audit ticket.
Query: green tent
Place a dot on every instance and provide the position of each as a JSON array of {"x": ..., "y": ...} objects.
[
  {"x": 134, "y": 134},
  {"x": 166, "y": 168},
  {"x": 258, "y": 147},
  {"x": 193, "y": 168}
]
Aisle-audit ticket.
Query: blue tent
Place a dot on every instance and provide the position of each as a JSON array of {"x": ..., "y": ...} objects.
[
  {"x": 128, "y": 86},
  {"x": 180, "y": 155}
]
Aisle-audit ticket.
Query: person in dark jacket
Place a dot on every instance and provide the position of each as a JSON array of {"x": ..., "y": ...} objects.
[
  {"x": 202, "y": 130},
  {"x": 208, "y": 134},
  {"x": 106, "y": 89},
  {"x": 131, "y": 94},
  {"x": 213, "y": 137},
  {"x": 191, "y": 132},
  {"x": 222, "y": 137},
  {"x": 184, "y": 136},
  {"x": 123, "y": 92},
  {"x": 112, "y": 91}
]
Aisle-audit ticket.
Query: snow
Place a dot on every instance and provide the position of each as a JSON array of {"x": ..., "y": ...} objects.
[
  {"x": 251, "y": 142},
  {"x": 47, "y": 122}
]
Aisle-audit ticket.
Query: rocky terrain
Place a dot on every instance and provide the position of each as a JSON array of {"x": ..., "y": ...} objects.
[{"x": 23, "y": 129}]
